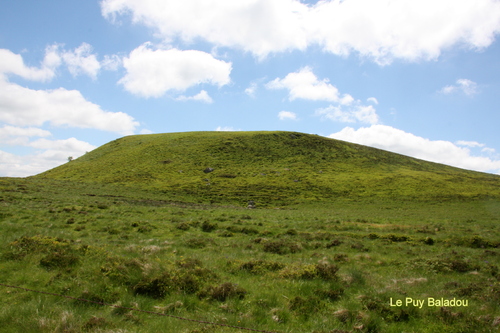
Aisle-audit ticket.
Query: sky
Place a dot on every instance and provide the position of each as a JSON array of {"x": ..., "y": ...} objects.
[{"x": 415, "y": 77}]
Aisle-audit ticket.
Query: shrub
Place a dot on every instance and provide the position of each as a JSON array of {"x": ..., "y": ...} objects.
[
  {"x": 305, "y": 306},
  {"x": 189, "y": 263},
  {"x": 144, "y": 228},
  {"x": 306, "y": 272},
  {"x": 223, "y": 291},
  {"x": 327, "y": 271},
  {"x": 258, "y": 266},
  {"x": 281, "y": 247},
  {"x": 226, "y": 233},
  {"x": 333, "y": 243},
  {"x": 58, "y": 260},
  {"x": 197, "y": 243},
  {"x": 331, "y": 294},
  {"x": 183, "y": 226},
  {"x": 397, "y": 238},
  {"x": 157, "y": 287},
  {"x": 208, "y": 227},
  {"x": 429, "y": 241}
]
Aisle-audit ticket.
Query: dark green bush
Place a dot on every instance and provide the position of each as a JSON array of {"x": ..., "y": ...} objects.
[
  {"x": 208, "y": 227},
  {"x": 281, "y": 247},
  {"x": 223, "y": 292},
  {"x": 335, "y": 242},
  {"x": 58, "y": 260},
  {"x": 157, "y": 287},
  {"x": 183, "y": 226},
  {"x": 258, "y": 266},
  {"x": 305, "y": 306}
]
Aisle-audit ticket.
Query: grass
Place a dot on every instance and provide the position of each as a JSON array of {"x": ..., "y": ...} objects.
[
  {"x": 335, "y": 264},
  {"x": 270, "y": 168}
]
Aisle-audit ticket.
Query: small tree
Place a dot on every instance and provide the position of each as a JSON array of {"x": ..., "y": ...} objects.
[{"x": 70, "y": 158}]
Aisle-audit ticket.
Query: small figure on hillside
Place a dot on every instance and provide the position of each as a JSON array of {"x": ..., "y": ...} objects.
[{"x": 251, "y": 204}]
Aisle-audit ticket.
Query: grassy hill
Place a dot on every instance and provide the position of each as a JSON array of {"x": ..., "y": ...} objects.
[
  {"x": 271, "y": 168},
  {"x": 139, "y": 227}
]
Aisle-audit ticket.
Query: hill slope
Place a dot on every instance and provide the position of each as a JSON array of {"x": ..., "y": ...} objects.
[{"x": 271, "y": 168}]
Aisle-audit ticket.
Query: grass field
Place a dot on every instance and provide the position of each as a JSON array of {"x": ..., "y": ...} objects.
[{"x": 314, "y": 262}]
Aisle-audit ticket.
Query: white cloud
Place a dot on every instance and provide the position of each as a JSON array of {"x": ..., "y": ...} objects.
[
  {"x": 250, "y": 91},
  {"x": 372, "y": 100},
  {"x": 151, "y": 73},
  {"x": 469, "y": 143},
  {"x": 48, "y": 154},
  {"x": 82, "y": 61},
  {"x": 226, "y": 129},
  {"x": 12, "y": 63},
  {"x": 202, "y": 96},
  {"x": 380, "y": 29},
  {"x": 283, "y": 115},
  {"x": 60, "y": 107},
  {"x": 466, "y": 86},
  {"x": 355, "y": 113},
  {"x": 305, "y": 85},
  {"x": 398, "y": 141},
  {"x": 111, "y": 62},
  {"x": 11, "y": 135}
]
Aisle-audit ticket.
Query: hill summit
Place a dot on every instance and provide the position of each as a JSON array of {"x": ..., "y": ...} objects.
[{"x": 270, "y": 168}]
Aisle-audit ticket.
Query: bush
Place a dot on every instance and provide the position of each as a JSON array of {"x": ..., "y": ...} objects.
[
  {"x": 305, "y": 306},
  {"x": 333, "y": 243},
  {"x": 281, "y": 247},
  {"x": 258, "y": 266},
  {"x": 429, "y": 241},
  {"x": 327, "y": 271},
  {"x": 397, "y": 238},
  {"x": 183, "y": 226},
  {"x": 157, "y": 287},
  {"x": 208, "y": 227},
  {"x": 223, "y": 291},
  {"x": 197, "y": 243},
  {"x": 331, "y": 294},
  {"x": 58, "y": 260}
]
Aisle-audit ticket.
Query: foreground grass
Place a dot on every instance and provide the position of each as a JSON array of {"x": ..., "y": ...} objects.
[{"x": 329, "y": 267}]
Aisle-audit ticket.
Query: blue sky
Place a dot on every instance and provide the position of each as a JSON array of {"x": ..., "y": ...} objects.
[{"x": 420, "y": 78}]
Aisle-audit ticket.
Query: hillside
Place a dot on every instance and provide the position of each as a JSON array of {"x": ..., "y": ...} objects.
[{"x": 271, "y": 168}]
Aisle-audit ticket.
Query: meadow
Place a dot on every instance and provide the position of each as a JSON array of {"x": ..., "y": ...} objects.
[{"x": 309, "y": 263}]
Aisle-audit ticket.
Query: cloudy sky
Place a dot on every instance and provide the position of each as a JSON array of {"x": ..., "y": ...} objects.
[{"x": 417, "y": 77}]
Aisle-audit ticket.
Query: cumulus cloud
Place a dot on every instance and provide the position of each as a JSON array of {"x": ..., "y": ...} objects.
[
  {"x": 226, "y": 129},
  {"x": 305, "y": 85},
  {"x": 111, "y": 62},
  {"x": 352, "y": 114},
  {"x": 202, "y": 96},
  {"x": 284, "y": 115},
  {"x": 60, "y": 107},
  {"x": 82, "y": 61},
  {"x": 14, "y": 64},
  {"x": 48, "y": 154},
  {"x": 11, "y": 135},
  {"x": 151, "y": 73},
  {"x": 469, "y": 143},
  {"x": 372, "y": 100},
  {"x": 250, "y": 91},
  {"x": 383, "y": 30},
  {"x": 79, "y": 61},
  {"x": 398, "y": 141},
  {"x": 468, "y": 87}
]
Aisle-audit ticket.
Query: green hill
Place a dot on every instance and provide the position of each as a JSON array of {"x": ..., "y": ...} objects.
[{"x": 271, "y": 168}]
